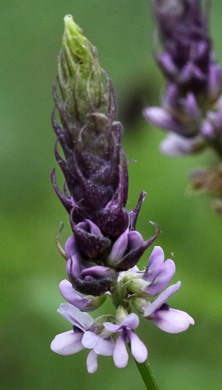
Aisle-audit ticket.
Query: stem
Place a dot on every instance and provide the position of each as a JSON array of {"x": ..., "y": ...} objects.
[
  {"x": 117, "y": 296},
  {"x": 144, "y": 368},
  {"x": 147, "y": 375}
]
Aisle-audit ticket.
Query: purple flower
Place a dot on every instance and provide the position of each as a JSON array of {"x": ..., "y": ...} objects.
[
  {"x": 82, "y": 336},
  {"x": 128, "y": 249},
  {"x": 183, "y": 30},
  {"x": 87, "y": 277},
  {"x": 175, "y": 145},
  {"x": 154, "y": 279},
  {"x": 167, "y": 319},
  {"x": 125, "y": 328},
  {"x": 162, "y": 118},
  {"x": 89, "y": 239},
  {"x": 193, "y": 79},
  {"x": 158, "y": 272},
  {"x": 83, "y": 303}
]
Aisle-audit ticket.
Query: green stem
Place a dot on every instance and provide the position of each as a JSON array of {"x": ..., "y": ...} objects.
[
  {"x": 147, "y": 375},
  {"x": 117, "y": 297},
  {"x": 144, "y": 368}
]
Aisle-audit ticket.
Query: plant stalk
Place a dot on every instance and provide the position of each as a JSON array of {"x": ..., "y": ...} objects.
[{"x": 147, "y": 375}]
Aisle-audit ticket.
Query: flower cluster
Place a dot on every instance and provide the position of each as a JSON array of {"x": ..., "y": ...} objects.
[
  {"x": 192, "y": 104},
  {"x": 108, "y": 335},
  {"x": 104, "y": 248}
]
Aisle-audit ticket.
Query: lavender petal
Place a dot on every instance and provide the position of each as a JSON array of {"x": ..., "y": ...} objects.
[
  {"x": 161, "y": 118},
  {"x": 101, "y": 346},
  {"x": 70, "y": 247},
  {"x": 91, "y": 362},
  {"x": 67, "y": 343},
  {"x": 119, "y": 247},
  {"x": 138, "y": 348},
  {"x": 81, "y": 320},
  {"x": 163, "y": 278},
  {"x": 155, "y": 261},
  {"x": 120, "y": 354},
  {"x": 172, "y": 320},
  {"x": 130, "y": 322},
  {"x": 152, "y": 307},
  {"x": 175, "y": 145}
]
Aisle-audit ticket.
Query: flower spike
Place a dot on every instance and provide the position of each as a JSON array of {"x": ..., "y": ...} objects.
[{"x": 104, "y": 248}]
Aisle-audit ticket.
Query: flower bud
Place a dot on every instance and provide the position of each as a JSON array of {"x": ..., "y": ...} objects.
[
  {"x": 79, "y": 74},
  {"x": 90, "y": 239},
  {"x": 136, "y": 285},
  {"x": 86, "y": 277},
  {"x": 162, "y": 118}
]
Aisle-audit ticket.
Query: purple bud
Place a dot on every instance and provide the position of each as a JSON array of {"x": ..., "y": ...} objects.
[
  {"x": 167, "y": 65},
  {"x": 160, "y": 117},
  {"x": 112, "y": 220},
  {"x": 95, "y": 280},
  {"x": 90, "y": 240},
  {"x": 175, "y": 145},
  {"x": 126, "y": 250},
  {"x": 191, "y": 74},
  {"x": 207, "y": 129},
  {"x": 70, "y": 247},
  {"x": 119, "y": 248},
  {"x": 136, "y": 248},
  {"x": 171, "y": 97},
  {"x": 99, "y": 271},
  {"x": 202, "y": 52},
  {"x": 183, "y": 32},
  {"x": 86, "y": 277},
  {"x": 191, "y": 107}
]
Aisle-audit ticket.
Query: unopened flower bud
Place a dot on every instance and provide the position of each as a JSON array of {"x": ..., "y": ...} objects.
[
  {"x": 79, "y": 73},
  {"x": 137, "y": 286},
  {"x": 90, "y": 240},
  {"x": 121, "y": 314}
]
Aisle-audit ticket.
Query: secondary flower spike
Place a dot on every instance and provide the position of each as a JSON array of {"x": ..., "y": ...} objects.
[
  {"x": 103, "y": 251},
  {"x": 192, "y": 105}
]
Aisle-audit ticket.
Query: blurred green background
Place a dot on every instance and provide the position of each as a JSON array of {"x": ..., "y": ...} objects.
[{"x": 31, "y": 267}]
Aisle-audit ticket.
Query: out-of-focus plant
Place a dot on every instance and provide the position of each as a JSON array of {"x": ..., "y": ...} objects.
[{"x": 191, "y": 108}]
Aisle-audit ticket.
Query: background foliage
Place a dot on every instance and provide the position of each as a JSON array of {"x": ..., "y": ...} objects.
[{"x": 31, "y": 267}]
